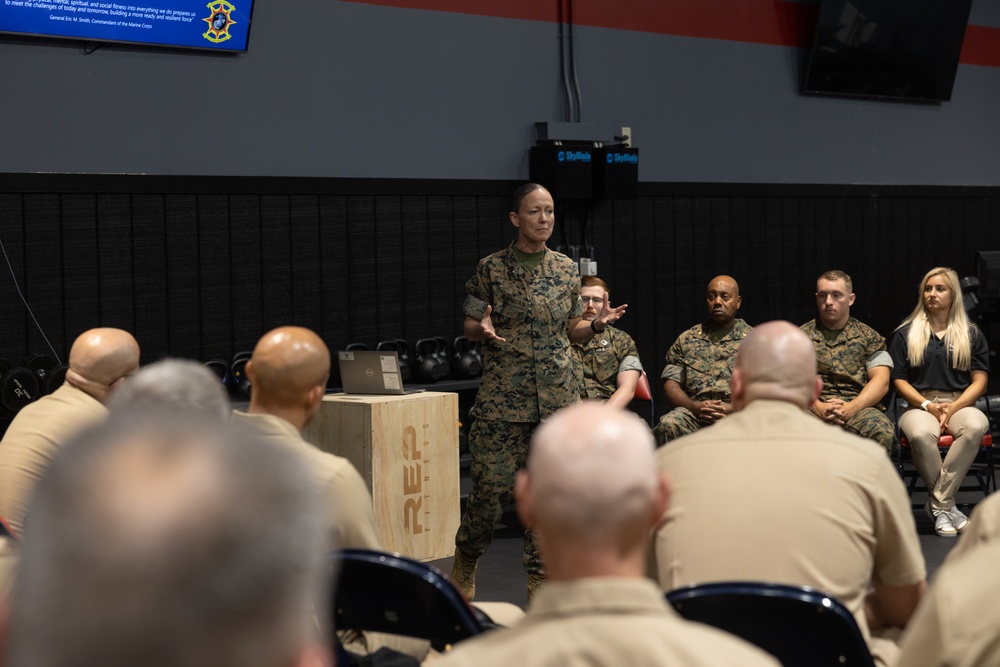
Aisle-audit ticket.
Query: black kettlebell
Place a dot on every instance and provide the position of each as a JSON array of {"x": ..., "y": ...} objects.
[
  {"x": 220, "y": 368},
  {"x": 444, "y": 355},
  {"x": 405, "y": 358},
  {"x": 404, "y": 369},
  {"x": 18, "y": 386},
  {"x": 237, "y": 371},
  {"x": 465, "y": 363},
  {"x": 427, "y": 368},
  {"x": 356, "y": 346}
]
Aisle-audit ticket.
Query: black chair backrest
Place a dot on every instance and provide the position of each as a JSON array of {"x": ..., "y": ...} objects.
[
  {"x": 7, "y": 531},
  {"x": 383, "y": 592},
  {"x": 800, "y": 626}
]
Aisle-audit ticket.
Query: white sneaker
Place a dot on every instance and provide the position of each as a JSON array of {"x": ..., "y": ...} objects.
[
  {"x": 943, "y": 524},
  {"x": 958, "y": 519}
]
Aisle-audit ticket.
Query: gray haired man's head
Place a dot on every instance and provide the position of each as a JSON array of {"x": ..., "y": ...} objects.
[
  {"x": 177, "y": 385},
  {"x": 161, "y": 541}
]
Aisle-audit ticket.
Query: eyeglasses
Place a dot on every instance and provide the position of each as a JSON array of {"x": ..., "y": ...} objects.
[{"x": 596, "y": 300}]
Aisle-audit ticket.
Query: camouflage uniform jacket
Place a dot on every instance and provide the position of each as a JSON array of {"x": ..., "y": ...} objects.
[
  {"x": 533, "y": 373},
  {"x": 843, "y": 363},
  {"x": 702, "y": 367},
  {"x": 605, "y": 356}
]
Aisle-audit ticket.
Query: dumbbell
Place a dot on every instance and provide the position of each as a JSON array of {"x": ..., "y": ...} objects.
[
  {"x": 55, "y": 378},
  {"x": 18, "y": 386},
  {"x": 44, "y": 367}
]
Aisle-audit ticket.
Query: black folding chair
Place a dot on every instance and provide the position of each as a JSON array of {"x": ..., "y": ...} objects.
[
  {"x": 382, "y": 592},
  {"x": 800, "y": 626}
]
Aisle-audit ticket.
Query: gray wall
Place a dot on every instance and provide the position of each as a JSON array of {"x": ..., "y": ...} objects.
[{"x": 374, "y": 92}]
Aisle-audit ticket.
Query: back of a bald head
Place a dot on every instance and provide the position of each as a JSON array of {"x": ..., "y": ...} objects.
[
  {"x": 101, "y": 357},
  {"x": 777, "y": 361},
  {"x": 591, "y": 471},
  {"x": 286, "y": 363}
]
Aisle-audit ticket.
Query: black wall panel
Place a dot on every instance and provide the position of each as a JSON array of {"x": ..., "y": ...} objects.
[{"x": 202, "y": 273}]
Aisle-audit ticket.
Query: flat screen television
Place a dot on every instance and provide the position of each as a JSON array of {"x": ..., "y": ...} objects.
[
  {"x": 219, "y": 25},
  {"x": 988, "y": 268},
  {"x": 897, "y": 49}
]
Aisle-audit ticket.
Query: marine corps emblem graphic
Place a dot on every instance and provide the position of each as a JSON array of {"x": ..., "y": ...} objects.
[{"x": 219, "y": 21}]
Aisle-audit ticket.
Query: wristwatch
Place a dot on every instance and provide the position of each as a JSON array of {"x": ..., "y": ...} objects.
[{"x": 923, "y": 406}]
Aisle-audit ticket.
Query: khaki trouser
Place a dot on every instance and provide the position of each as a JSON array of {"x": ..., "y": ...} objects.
[{"x": 966, "y": 426}]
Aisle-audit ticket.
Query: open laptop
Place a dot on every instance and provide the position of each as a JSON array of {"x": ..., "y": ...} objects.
[{"x": 371, "y": 372}]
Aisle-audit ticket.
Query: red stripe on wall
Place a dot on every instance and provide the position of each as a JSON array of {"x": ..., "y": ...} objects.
[
  {"x": 981, "y": 46},
  {"x": 775, "y": 22},
  {"x": 758, "y": 21}
]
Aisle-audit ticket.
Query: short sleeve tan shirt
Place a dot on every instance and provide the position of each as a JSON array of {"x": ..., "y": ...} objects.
[
  {"x": 33, "y": 439},
  {"x": 602, "y": 622},
  {"x": 350, "y": 503},
  {"x": 772, "y": 494}
]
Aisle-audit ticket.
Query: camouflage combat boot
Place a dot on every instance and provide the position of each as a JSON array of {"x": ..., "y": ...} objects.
[{"x": 463, "y": 573}]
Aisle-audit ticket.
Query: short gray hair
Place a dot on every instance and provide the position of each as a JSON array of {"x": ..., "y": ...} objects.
[
  {"x": 168, "y": 543},
  {"x": 173, "y": 385}
]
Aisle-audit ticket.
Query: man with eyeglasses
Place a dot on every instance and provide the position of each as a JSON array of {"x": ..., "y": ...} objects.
[
  {"x": 611, "y": 366},
  {"x": 700, "y": 363},
  {"x": 852, "y": 361}
]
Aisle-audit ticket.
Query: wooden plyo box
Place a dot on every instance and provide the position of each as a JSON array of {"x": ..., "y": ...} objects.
[{"x": 406, "y": 449}]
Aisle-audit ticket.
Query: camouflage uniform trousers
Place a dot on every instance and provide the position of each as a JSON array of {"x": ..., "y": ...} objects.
[
  {"x": 872, "y": 423},
  {"x": 674, "y": 424},
  {"x": 499, "y": 450}
]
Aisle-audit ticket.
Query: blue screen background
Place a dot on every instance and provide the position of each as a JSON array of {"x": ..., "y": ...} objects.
[{"x": 170, "y": 23}]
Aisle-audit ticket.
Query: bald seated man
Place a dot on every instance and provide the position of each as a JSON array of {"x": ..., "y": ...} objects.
[
  {"x": 175, "y": 386},
  {"x": 773, "y": 494},
  {"x": 699, "y": 363},
  {"x": 99, "y": 362},
  {"x": 288, "y": 373},
  {"x": 167, "y": 542},
  {"x": 591, "y": 495}
]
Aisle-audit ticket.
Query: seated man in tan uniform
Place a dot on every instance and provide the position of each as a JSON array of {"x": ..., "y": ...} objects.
[
  {"x": 288, "y": 373},
  {"x": 956, "y": 624},
  {"x": 99, "y": 361},
  {"x": 591, "y": 495},
  {"x": 166, "y": 541},
  {"x": 177, "y": 387},
  {"x": 773, "y": 494}
]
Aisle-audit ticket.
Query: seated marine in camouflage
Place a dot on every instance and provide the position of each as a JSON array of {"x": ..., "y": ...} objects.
[
  {"x": 700, "y": 363},
  {"x": 611, "y": 366},
  {"x": 852, "y": 361}
]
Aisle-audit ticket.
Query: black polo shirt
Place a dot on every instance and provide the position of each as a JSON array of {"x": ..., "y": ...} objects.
[{"x": 937, "y": 371}]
